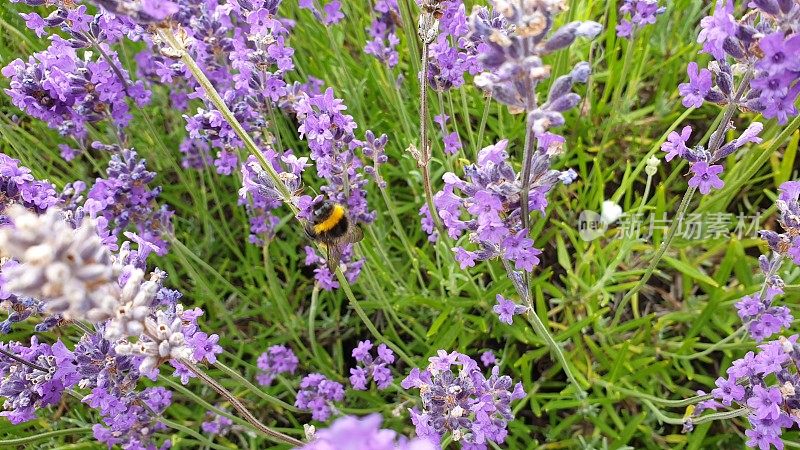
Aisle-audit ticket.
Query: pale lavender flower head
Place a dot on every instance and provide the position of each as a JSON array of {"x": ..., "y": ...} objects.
[
  {"x": 510, "y": 57},
  {"x": 354, "y": 433},
  {"x": 697, "y": 88}
]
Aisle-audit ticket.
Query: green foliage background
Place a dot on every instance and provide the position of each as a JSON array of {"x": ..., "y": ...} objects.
[{"x": 256, "y": 297}]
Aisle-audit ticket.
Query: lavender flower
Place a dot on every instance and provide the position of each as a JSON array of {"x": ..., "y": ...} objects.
[
  {"x": 698, "y": 87},
  {"x": 368, "y": 366},
  {"x": 317, "y": 394},
  {"x": 488, "y": 359},
  {"x": 329, "y": 14},
  {"x": 772, "y": 403},
  {"x": 490, "y": 200},
  {"x": 70, "y": 270},
  {"x": 362, "y": 434},
  {"x": 124, "y": 199},
  {"x": 506, "y": 309},
  {"x": 17, "y": 185},
  {"x": 40, "y": 382},
  {"x": 705, "y": 177},
  {"x": 465, "y": 404},
  {"x": 640, "y": 13},
  {"x": 383, "y": 31},
  {"x": 276, "y": 360}
]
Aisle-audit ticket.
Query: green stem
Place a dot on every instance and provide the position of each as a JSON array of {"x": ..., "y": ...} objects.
[
  {"x": 11, "y": 443},
  {"x": 487, "y": 102},
  {"x": 652, "y": 398},
  {"x": 218, "y": 102},
  {"x": 673, "y": 230},
  {"x": 541, "y": 329}
]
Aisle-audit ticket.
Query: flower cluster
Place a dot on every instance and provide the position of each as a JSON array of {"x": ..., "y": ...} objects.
[
  {"x": 452, "y": 54},
  {"x": 276, "y": 360},
  {"x": 36, "y": 378},
  {"x": 124, "y": 199},
  {"x": 369, "y": 366},
  {"x": 71, "y": 271},
  {"x": 487, "y": 206},
  {"x": 383, "y": 31},
  {"x": 766, "y": 41},
  {"x": 363, "y": 434},
  {"x": 773, "y": 405},
  {"x": 351, "y": 268},
  {"x": 513, "y": 61},
  {"x": 461, "y": 402},
  {"x": 316, "y": 394},
  {"x": 68, "y": 91},
  {"x": 259, "y": 194},
  {"x": 640, "y": 14},
  {"x": 17, "y": 185},
  {"x": 757, "y": 311},
  {"x": 705, "y": 174}
]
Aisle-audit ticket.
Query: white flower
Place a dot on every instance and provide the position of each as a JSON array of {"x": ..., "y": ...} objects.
[
  {"x": 69, "y": 269},
  {"x": 610, "y": 212}
]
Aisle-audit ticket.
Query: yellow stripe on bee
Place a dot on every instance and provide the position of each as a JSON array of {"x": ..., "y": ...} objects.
[{"x": 331, "y": 221}]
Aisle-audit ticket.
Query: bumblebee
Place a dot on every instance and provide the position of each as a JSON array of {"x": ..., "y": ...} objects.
[{"x": 331, "y": 227}]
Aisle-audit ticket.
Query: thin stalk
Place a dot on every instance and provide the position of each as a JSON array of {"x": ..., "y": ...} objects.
[
  {"x": 274, "y": 435},
  {"x": 487, "y": 103},
  {"x": 541, "y": 329},
  {"x": 673, "y": 230},
  {"x": 218, "y": 102},
  {"x": 22, "y": 361},
  {"x": 255, "y": 389},
  {"x": 312, "y": 313},
  {"x": 425, "y": 158},
  {"x": 652, "y": 398},
  {"x": 527, "y": 160},
  {"x": 13, "y": 443}
]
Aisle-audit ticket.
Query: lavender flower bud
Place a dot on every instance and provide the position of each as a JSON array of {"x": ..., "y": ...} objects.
[
  {"x": 581, "y": 71},
  {"x": 725, "y": 82},
  {"x": 733, "y": 47},
  {"x": 565, "y": 102},
  {"x": 71, "y": 270},
  {"x": 768, "y": 6},
  {"x": 715, "y": 96},
  {"x": 561, "y": 86},
  {"x": 567, "y": 34}
]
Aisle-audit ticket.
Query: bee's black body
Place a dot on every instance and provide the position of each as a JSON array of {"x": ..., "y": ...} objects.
[{"x": 330, "y": 225}]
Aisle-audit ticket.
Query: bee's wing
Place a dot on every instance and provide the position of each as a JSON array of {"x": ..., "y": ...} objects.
[
  {"x": 354, "y": 234},
  {"x": 334, "y": 252}
]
